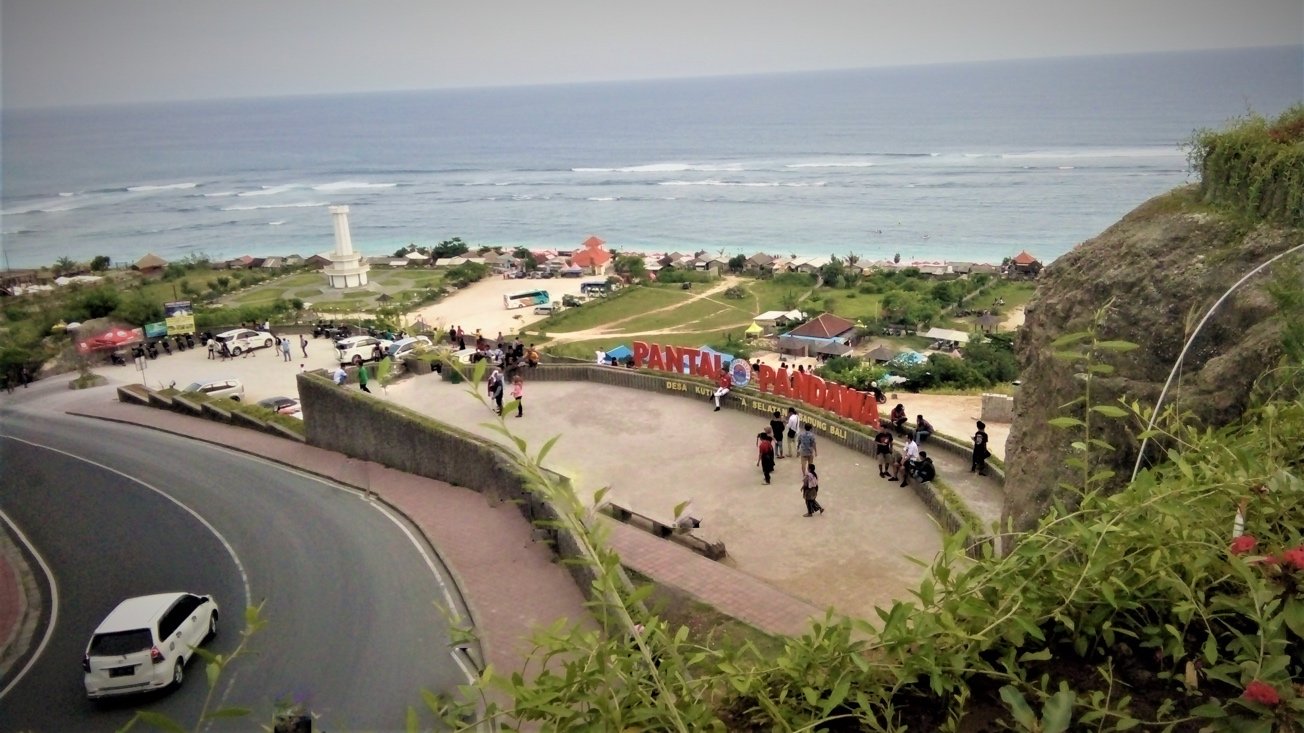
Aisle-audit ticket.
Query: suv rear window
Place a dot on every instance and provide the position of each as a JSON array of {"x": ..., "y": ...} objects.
[{"x": 119, "y": 643}]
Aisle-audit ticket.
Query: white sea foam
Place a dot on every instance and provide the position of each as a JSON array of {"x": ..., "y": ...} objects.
[
  {"x": 604, "y": 198},
  {"x": 747, "y": 184},
  {"x": 350, "y": 185},
  {"x": 1066, "y": 167},
  {"x": 275, "y": 206},
  {"x": 839, "y": 164},
  {"x": 268, "y": 190},
  {"x": 66, "y": 194},
  {"x": 219, "y": 194},
  {"x": 665, "y": 168},
  {"x": 276, "y": 223},
  {"x": 163, "y": 187}
]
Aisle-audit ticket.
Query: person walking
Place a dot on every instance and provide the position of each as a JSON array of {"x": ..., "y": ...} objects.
[
  {"x": 495, "y": 389},
  {"x": 806, "y": 448},
  {"x": 765, "y": 453},
  {"x": 980, "y": 451},
  {"x": 791, "y": 432},
  {"x": 810, "y": 489},
  {"x": 363, "y": 378},
  {"x": 225, "y": 351},
  {"x": 212, "y": 349},
  {"x": 776, "y": 430},
  {"x": 883, "y": 451},
  {"x": 303, "y": 345},
  {"x": 285, "y": 348},
  {"x": 518, "y": 392}
]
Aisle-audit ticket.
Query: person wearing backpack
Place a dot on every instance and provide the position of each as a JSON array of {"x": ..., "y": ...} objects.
[
  {"x": 776, "y": 432},
  {"x": 765, "y": 453}
]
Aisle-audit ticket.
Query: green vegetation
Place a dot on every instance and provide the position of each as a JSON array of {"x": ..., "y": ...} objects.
[
  {"x": 624, "y": 303},
  {"x": 1255, "y": 167},
  {"x": 1136, "y": 610}
]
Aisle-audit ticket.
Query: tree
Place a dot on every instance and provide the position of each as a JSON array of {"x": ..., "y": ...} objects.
[
  {"x": 138, "y": 310},
  {"x": 100, "y": 263},
  {"x": 737, "y": 263},
  {"x": 64, "y": 266},
  {"x": 832, "y": 272},
  {"x": 631, "y": 266},
  {"x": 896, "y": 258},
  {"x": 98, "y": 302},
  {"x": 947, "y": 292},
  {"x": 450, "y": 248}
]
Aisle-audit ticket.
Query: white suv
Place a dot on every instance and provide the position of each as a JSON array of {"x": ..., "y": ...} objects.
[
  {"x": 240, "y": 340},
  {"x": 357, "y": 349},
  {"x": 145, "y": 642},
  {"x": 232, "y": 388}
]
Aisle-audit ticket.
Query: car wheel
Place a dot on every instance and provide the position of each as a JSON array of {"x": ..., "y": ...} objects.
[
  {"x": 236, "y": 351},
  {"x": 267, "y": 344},
  {"x": 357, "y": 360},
  {"x": 212, "y": 626},
  {"x": 178, "y": 673},
  {"x": 235, "y": 398}
]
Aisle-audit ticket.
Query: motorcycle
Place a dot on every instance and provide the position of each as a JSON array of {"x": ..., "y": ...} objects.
[
  {"x": 179, "y": 342},
  {"x": 118, "y": 358},
  {"x": 166, "y": 346},
  {"x": 151, "y": 350},
  {"x": 190, "y": 341}
]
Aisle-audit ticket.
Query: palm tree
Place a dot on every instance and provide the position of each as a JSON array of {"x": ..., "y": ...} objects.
[{"x": 64, "y": 265}]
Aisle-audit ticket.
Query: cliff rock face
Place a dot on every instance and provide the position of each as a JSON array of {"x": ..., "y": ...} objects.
[{"x": 1163, "y": 265}]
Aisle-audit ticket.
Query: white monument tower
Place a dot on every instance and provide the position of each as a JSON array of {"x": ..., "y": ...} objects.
[{"x": 346, "y": 270}]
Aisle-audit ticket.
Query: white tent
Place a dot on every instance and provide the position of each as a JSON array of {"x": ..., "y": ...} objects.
[{"x": 947, "y": 334}]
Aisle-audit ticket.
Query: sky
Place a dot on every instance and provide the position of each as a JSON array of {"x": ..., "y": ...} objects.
[{"x": 68, "y": 52}]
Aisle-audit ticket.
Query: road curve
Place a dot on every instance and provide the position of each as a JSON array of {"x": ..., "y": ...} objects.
[{"x": 352, "y": 595}]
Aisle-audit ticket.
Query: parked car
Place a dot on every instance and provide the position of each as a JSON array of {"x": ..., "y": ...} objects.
[
  {"x": 283, "y": 406},
  {"x": 546, "y": 309},
  {"x": 406, "y": 346},
  {"x": 571, "y": 301},
  {"x": 357, "y": 349},
  {"x": 232, "y": 388},
  {"x": 145, "y": 642},
  {"x": 240, "y": 340}
]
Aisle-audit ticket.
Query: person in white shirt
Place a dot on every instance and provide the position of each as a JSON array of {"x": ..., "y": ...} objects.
[
  {"x": 911, "y": 459},
  {"x": 339, "y": 375},
  {"x": 794, "y": 422}
]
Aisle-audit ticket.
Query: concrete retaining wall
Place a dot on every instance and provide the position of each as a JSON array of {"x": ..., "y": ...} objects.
[
  {"x": 138, "y": 395},
  {"x": 998, "y": 408}
]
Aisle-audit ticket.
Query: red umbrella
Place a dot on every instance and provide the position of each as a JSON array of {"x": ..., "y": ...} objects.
[{"x": 113, "y": 338}]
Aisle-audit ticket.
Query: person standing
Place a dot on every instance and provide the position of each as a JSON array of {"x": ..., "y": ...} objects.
[
  {"x": 26, "y": 376},
  {"x": 363, "y": 378},
  {"x": 303, "y": 345},
  {"x": 225, "y": 351},
  {"x": 518, "y": 393},
  {"x": 793, "y": 422},
  {"x": 212, "y": 349},
  {"x": 765, "y": 453},
  {"x": 980, "y": 451},
  {"x": 776, "y": 430},
  {"x": 810, "y": 489},
  {"x": 724, "y": 382},
  {"x": 883, "y": 451},
  {"x": 806, "y": 448},
  {"x": 285, "y": 348},
  {"x": 495, "y": 390}
]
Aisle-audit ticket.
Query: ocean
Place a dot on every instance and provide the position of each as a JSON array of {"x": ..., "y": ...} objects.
[{"x": 958, "y": 162}]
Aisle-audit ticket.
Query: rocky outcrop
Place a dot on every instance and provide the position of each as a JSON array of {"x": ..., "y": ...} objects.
[{"x": 1162, "y": 267}]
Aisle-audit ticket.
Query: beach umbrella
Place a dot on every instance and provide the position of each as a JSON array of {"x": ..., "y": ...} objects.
[{"x": 109, "y": 339}]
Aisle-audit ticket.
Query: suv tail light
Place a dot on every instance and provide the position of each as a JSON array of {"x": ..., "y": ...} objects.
[
  {"x": 86, "y": 664},
  {"x": 155, "y": 655}
]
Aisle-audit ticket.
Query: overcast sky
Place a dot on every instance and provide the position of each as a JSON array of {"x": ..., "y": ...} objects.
[{"x": 56, "y": 52}]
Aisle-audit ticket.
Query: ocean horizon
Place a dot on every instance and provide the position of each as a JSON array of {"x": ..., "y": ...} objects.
[{"x": 960, "y": 162}]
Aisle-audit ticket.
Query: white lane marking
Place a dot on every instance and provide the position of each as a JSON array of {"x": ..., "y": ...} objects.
[
  {"x": 244, "y": 576},
  {"x": 54, "y": 604},
  {"x": 367, "y": 496}
]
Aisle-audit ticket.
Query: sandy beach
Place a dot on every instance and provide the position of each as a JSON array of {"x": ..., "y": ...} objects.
[{"x": 481, "y": 305}]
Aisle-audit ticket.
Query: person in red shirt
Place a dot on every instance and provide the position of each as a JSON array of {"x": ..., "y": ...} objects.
[{"x": 725, "y": 382}]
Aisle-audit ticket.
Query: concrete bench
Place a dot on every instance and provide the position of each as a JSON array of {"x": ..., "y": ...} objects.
[{"x": 666, "y": 529}]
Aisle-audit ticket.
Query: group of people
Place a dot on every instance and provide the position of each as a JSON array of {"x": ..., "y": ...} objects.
[
  {"x": 800, "y": 443},
  {"x": 496, "y": 385},
  {"x": 900, "y": 464},
  {"x": 501, "y": 353}
]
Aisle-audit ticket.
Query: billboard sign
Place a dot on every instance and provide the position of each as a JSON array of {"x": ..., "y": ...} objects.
[{"x": 180, "y": 317}]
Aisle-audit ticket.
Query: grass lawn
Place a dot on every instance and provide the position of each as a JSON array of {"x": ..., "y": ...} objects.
[
  {"x": 628, "y": 302},
  {"x": 682, "y": 315},
  {"x": 258, "y": 296},
  {"x": 1015, "y": 293},
  {"x": 854, "y": 306},
  {"x": 768, "y": 295}
]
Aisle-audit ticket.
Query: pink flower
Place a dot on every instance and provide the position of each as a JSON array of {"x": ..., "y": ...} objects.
[
  {"x": 1261, "y": 692},
  {"x": 1293, "y": 558},
  {"x": 1243, "y": 544}
]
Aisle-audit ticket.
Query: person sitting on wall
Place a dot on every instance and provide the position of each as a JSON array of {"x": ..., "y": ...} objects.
[
  {"x": 532, "y": 357},
  {"x": 924, "y": 469},
  {"x": 629, "y": 362},
  {"x": 898, "y": 418},
  {"x": 879, "y": 397},
  {"x": 923, "y": 428},
  {"x": 725, "y": 383}
]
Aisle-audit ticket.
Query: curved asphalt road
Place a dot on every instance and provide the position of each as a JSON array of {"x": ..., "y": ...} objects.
[{"x": 352, "y": 594}]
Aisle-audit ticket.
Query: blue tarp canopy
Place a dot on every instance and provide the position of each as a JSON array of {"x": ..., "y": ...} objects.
[
  {"x": 621, "y": 352},
  {"x": 724, "y": 358},
  {"x": 909, "y": 357}
]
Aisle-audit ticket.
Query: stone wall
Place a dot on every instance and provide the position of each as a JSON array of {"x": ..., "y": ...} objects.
[
  {"x": 357, "y": 425},
  {"x": 998, "y": 408}
]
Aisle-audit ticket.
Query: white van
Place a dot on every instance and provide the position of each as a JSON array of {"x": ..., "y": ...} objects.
[
  {"x": 546, "y": 309},
  {"x": 145, "y": 642}
]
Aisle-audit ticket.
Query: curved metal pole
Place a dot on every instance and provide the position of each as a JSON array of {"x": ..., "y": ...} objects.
[{"x": 1186, "y": 347}]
